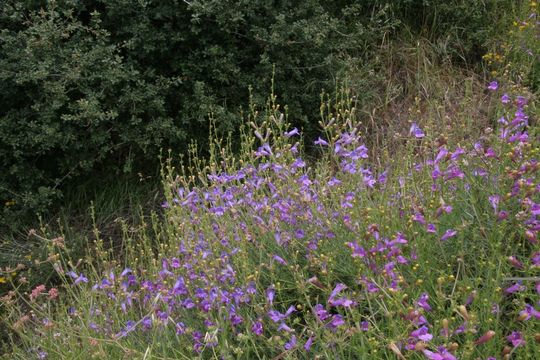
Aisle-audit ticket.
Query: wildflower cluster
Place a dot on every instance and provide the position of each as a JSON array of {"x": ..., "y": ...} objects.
[{"x": 280, "y": 256}]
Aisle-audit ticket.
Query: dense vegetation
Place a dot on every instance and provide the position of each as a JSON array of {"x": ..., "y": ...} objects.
[
  {"x": 100, "y": 87},
  {"x": 395, "y": 216}
]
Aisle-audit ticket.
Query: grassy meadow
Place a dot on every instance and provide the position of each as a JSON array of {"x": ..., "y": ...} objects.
[{"x": 407, "y": 229}]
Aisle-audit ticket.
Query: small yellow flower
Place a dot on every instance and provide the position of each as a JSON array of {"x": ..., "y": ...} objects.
[{"x": 2, "y": 280}]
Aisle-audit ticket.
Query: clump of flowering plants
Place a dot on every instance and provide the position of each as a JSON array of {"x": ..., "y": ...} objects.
[{"x": 274, "y": 255}]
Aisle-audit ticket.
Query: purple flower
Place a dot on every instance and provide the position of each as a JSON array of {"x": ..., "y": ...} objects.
[
  {"x": 279, "y": 259},
  {"x": 180, "y": 328},
  {"x": 448, "y": 234},
  {"x": 291, "y": 344},
  {"x": 453, "y": 172},
  {"x": 422, "y": 302},
  {"x": 535, "y": 259},
  {"x": 276, "y": 316},
  {"x": 418, "y": 217},
  {"x": 494, "y": 85},
  {"x": 146, "y": 323},
  {"x": 521, "y": 101},
  {"x": 364, "y": 325},
  {"x": 502, "y": 215},
  {"x": 457, "y": 153},
  {"x": 416, "y": 131},
  {"x": 514, "y": 288},
  {"x": 309, "y": 342},
  {"x": 494, "y": 201},
  {"x": 339, "y": 287},
  {"x": 298, "y": 163},
  {"x": 78, "y": 278},
  {"x": 321, "y": 142},
  {"x": 336, "y": 321},
  {"x": 516, "y": 339},
  {"x": 284, "y": 327},
  {"x": 441, "y": 155},
  {"x": 422, "y": 334},
  {"x": 529, "y": 312},
  {"x": 125, "y": 272},
  {"x": 430, "y": 228},
  {"x": 321, "y": 313},
  {"x": 175, "y": 263},
  {"x": 441, "y": 354},
  {"x": 357, "y": 250},
  {"x": 505, "y": 99},
  {"x": 292, "y": 133}
]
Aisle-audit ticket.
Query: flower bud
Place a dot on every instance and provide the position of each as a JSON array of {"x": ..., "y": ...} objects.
[
  {"x": 485, "y": 338},
  {"x": 463, "y": 311}
]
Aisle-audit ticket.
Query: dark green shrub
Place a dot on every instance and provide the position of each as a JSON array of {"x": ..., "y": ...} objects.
[
  {"x": 92, "y": 87},
  {"x": 98, "y": 87}
]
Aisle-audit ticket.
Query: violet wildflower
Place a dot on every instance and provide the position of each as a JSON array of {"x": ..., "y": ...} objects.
[
  {"x": 357, "y": 250},
  {"x": 146, "y": 323},
  {"x": 444, "y": 208},
  {"x": 180, "y": 328},
  {"x": 443, "y": 152},
  {"x": 516, "y": 339},
  {"x": 529, "y": 312},
  {"x": 291, "y": 344},
  {"x": 78, "y": 278},
  {"x": 422, "y": 302},
  {"x": 308, "y": 344},
  {"x": 535, "y": 259},
  {"x": 336, "y": 321},
  {"x": 339, "y": 287},
  {"x": 441, "y": 354},
  {"x": 364, "y": 325},
  {"x": 321, "y": 142},
  {"x": 514, "y": 288},
  {"x": 276, "y": 316},
  {"x": 321, "y": 313},
  {"x": 257, "y": 328},
  {"x": 432, "y": 355},
  {"x": 494, "y": 85},
  {"x": 416, "y": 131},
  {"x": 505, "y": 99},
  {"x": 502, "y": 215},
  {"x": 279, "y": 259},
  {"x": 422, "y": 333},
  {"x": 292, "y": 133},
  {"x": 521, "y": 101},
  {"x": 284, "y": 327},
  {"x": 448, "y": 234},
  {"x": 494, "y": 201},
  {"x": 126, "y": 272},
  {"x": 418, "y": 217}
]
